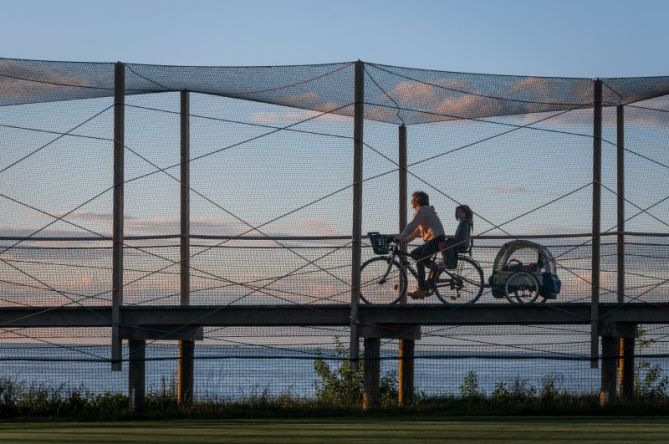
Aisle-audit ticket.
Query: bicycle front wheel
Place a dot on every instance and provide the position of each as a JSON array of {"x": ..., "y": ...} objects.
[
  {"x": 463, "y": 285},
  {"x": 382, "y": 281}
]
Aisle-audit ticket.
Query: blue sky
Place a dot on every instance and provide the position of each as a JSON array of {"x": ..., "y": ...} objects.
[{"x": 564, "y": 38}]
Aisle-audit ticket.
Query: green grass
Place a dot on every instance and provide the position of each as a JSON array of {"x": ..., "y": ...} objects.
[{"x": 359, "y": 430}]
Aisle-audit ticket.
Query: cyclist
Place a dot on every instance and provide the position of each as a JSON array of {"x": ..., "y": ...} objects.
[{"x": 427, "y": 225}]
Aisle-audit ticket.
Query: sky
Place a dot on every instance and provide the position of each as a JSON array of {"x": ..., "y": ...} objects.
[
  {"x": 579, "y": 38},
  {"x": 566, "y": 38},
  {"x": 546, "y": 38}
]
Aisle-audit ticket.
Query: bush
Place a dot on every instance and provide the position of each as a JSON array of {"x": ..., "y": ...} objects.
[
  {"x": 469, "y": 389},
  {"x": 344, "y": 386},
  {"x": 652, "y": 384}
]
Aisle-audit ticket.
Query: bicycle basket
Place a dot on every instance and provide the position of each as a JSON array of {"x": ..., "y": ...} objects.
[{"x": 380, "y": 242}]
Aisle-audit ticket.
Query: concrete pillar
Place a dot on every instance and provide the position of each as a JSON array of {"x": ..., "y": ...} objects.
[
  {"x": 185, "y": 371},
  {"x": 405, "y": 390},
  {"x": 372, "y": 374},
  {"x": 626, "y": 367},
  {"x": 136, "y": 374},
  {"x": 607, "y": 391}
]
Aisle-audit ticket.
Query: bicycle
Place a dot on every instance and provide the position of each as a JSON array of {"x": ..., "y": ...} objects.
[{"x": 383, "y": 279}]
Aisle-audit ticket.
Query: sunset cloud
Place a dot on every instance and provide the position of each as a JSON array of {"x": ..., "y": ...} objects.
[
  {"x": 21, "y": 81},
  {"x": 308, "y": 98},
  {"x": 512, "y": 189},
  {"x": 292, "y": 116},
  {"x": 428, "y": 93},
  {"x": 414, "y": 92}
]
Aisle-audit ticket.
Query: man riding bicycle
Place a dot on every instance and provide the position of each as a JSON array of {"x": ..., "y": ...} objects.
[{"x": 427, "y": 225}]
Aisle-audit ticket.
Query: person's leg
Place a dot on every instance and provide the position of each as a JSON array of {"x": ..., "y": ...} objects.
[
  {"x": 422, "y": 255},
  {"x": 419, "y": 255}
]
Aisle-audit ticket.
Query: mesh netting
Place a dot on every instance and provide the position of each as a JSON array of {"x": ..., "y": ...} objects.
[{"x": 271, "y": 188}]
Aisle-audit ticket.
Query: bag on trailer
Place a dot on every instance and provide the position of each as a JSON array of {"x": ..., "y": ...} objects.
[{"x": 449, "y": 252}]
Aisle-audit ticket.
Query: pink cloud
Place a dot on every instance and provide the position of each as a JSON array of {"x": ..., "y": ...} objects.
[
  {"x": 512, "y": 189},
  {"x": 21, "y": 80},
  {"x": 308, "y": 98},
  {"x": 414, "y": 92},
  {"x": 428, "y": 93},
  {"x": 540, "y": 89},
  {"x": 294, "y": 116}
]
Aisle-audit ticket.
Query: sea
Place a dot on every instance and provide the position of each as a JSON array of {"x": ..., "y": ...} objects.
[{"x": 235, "y": 373}]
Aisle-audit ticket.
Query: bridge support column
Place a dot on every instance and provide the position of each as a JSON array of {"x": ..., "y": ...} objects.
[
  {"x": 405, "y": 389},
  {"x": 626, "y": 367},
  {"x": 136, "y": 374},
  {"x": 607, "y": 392},
  {"x": 137, "y": 336},
  {"x": 372, "y": 374},
  {"x": 617, "y": 360}
]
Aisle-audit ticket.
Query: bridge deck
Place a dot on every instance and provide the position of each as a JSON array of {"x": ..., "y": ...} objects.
[{"x": 331, "y": 315}]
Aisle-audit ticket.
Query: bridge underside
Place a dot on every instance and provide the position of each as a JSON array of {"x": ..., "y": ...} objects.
[{"x": 331, "y": 315}]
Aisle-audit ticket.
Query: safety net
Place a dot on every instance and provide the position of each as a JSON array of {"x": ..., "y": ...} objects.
[{"x": 271, "y": 218}]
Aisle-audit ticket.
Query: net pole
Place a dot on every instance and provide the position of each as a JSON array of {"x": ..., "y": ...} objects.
[
  {"x": 596, "y": 223},
  {"x": 623, "y": 369},
  {"x": 620, "y": 182},
  {"x": 356, "y": 244},
  {"x": 185, "y": 372},
  {"x": 405, "y": 372},
  {"x": 118, "y": 241}
]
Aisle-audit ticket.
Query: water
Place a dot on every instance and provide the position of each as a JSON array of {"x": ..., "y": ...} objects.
[{"x": 240, "y": 372}]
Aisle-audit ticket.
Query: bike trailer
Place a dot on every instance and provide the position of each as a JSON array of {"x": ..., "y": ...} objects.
[{"x": 523, "y": 256}]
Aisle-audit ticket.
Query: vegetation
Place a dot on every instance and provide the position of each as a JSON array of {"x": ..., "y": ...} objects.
[
  {"x": 25, "y": 402},
  {"x": 339, "y": 391},
  {"x": 649, "y": 382},
  {"x": 343, "y": 386}
]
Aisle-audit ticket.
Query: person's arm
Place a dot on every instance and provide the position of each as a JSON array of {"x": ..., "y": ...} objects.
[
  {"x": 410, "y": 231},
  {"x": 416, "y": 233}
]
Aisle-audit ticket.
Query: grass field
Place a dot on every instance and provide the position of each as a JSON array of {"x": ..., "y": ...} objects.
[{"x": 346, "y": 430}]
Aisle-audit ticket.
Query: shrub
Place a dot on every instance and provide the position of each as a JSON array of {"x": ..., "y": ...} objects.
[
  {"x": 469, "y": 389},
  {"x": 343, "y": 386}
]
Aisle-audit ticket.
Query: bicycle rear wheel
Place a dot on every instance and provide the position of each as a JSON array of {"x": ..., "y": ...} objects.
[
  {"x": 382, "y": 281},
  {"x": 463, "y": 285}
]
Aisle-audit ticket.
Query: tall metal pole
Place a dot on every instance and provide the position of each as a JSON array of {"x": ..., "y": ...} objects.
[
  {"x": 405, "y": 372},
  {"x": 403, "y": 183},
  {"x": 620, "y": 142},
  {"x": 623, "y": 342},
  {"x": 117, "y": 244},
  {"x": 185, "y": 372},
  {"x": 356, "y": 255},
  {"x": 596, "y": 223}
]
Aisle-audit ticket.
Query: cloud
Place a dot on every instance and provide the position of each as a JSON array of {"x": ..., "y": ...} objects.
[
  {"x": 308, "y": 98},
  {"x": 383, "y": 114},
  {"x": 536, "y": 88},
  {"x": 469, "y": 106},
  {"x": 414, "y": 92},
  {"x": 293, "y": 116},
  {"x": 198, "y": 225},
  {"x": 512, "y": 189},
  {"x": 428, "y": 93},
  {"x": 20, "y": 81}
]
